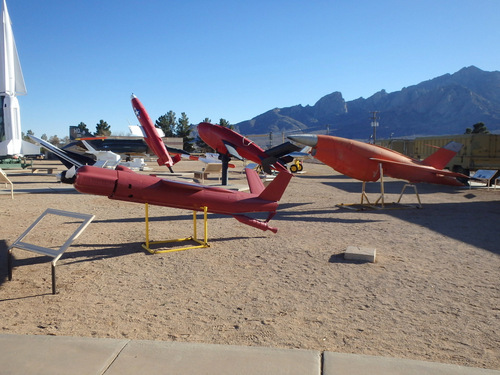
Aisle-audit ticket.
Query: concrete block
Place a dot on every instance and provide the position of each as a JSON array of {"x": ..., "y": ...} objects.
[{"x": 366, "y": 254}]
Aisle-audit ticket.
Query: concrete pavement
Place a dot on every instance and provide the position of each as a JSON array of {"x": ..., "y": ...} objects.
[{"x": 27, "y": 354}]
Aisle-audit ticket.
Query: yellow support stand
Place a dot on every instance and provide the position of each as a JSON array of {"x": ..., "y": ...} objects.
[{"x": 201, "y": 243}]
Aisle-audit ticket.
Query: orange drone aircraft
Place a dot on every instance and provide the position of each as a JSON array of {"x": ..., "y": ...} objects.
[{"x": 368, "y": 162}]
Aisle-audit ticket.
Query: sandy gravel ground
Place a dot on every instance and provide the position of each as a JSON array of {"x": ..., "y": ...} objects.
[{"x": 433, "y": 294}]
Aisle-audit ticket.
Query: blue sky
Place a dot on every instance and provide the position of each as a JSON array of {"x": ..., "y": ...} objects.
[{"x": 233, "y": 59}]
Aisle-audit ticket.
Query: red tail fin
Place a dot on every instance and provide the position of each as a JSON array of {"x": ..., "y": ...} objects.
[
  {"x": 441, "y": 157},
  {"x": 274, "y": 191}
]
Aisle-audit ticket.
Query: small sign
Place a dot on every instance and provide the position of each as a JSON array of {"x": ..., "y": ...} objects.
[{"x": 485, "y": 174}]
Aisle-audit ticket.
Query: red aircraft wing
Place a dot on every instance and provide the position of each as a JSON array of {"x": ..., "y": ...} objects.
[{"x": 421, "y": 168}]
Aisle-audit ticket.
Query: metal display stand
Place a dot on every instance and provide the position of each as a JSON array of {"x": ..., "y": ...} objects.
[
  {"x": 201, "y": 243},
  {"x": 381, "y": 198},
  {"x": 486, "y": 176},
  {"x": 55, "y": 254},
  {"x": 5, "y": 180}
]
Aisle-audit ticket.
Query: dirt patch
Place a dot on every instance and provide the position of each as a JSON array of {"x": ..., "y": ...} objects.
[{"x": 433, "y": 293}]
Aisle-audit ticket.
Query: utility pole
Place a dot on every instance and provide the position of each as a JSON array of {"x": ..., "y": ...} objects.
[{"x": 374, "y": 124}]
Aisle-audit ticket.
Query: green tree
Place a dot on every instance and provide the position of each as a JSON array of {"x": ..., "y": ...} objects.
[
  {"x": 65, "y": 140},
  {"x": 167, "y": 123},
  {"x": 26, "y": 137},
  {"x": 183, "y": 131},
  {"x": 225, "y": 123},
  {"x": 54, "y": 140},
  {"x": 102, "y": 129},
  {"x": 478, "y": 128},
  {"x": 44, "y": 137},
  {"x": 200, "y": 143},
  {"x": 82, "y": 127}
]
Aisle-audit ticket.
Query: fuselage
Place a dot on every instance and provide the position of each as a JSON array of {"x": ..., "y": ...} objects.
[
  {"x": 125, "y": 185},
  {"x": 217, "y": 136},
  {"x": 352, "y": 158},
  {"x": 150, "y": 135}
]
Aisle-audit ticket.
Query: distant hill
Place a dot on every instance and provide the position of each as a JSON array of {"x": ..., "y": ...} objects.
[{"x": 444, "y": 105}]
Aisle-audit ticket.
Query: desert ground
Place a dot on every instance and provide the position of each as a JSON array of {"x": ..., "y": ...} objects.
[{"x": 433, "y": 293}]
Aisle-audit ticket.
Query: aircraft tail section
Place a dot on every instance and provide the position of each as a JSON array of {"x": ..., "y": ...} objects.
[
  {"x": 282, "y": 149},
  {"x": 88, "y": 146},
  {"x": 68, "y": 158},
  {"x": 76, "y": 133},
  {"x": 254, "y": 182},
  {"x": 176, "y": 158},
  {"x": 274, "y": 191},
  {"x": 278, "y": 156},
  {"x": 442, "y": 156}
]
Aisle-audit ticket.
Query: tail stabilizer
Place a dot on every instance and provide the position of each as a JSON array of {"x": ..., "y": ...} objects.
[
  {"x": 282, "y": 149},
  {"x": 254, "y": 182},
  {"x": 176, "y": 158},
  {"x": 88, "y": 146},
  {"x": 442, "y": 156},
  {"x": 68, "y": 158},
  {"x": 274, "y": 191},
  {"x": 76, "y": 133}
]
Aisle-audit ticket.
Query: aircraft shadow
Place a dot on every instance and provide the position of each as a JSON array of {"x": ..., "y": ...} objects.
[
  {"x": 308, "y": 216},
  {"x": 47, "y": 190},
  {"x": 475, "y": 223},
  {"x": 323, "y": 177},
  {"x": 100, "y": 252},
  {"x": 16, "y": 183},
  {"x": 290, "y": 212},
  {"x": 393, "y": 187},
  {"x": 69, "y": 257},
  {"x": 472, "y": 222},
  {"x": 89, "y": 253},
  {"x": 188, "y": 216}
]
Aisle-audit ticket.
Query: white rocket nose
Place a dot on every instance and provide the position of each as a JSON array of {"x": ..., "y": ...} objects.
[{"x": 306, "y": 139}]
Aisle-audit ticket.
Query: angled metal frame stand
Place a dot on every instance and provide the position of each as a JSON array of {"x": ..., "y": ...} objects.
[
  {"x": 5, "y": 180},
  {"x": 381, "y": 198},
  {"x": 55, "y": 254},
  {"x": 368, "y": 205},
  {"x": 416, "y": 193},
  {"x": 201, "y": 243}
]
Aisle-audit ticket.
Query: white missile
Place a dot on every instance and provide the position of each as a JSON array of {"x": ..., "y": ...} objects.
[{"x": 11, "y": 85}]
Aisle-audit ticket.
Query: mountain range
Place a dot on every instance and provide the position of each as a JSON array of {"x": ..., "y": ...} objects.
[{"x": 448, "y": 104}]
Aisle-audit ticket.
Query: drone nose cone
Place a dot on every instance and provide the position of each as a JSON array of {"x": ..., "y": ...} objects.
[
  {"x": 306, "y": 139},
  {"x": 94, "y": 180},
  {"x": 204, "y": 128}
]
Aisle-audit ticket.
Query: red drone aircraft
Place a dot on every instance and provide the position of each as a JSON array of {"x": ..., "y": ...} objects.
[
  {"x": 124, "y": 184},
  {"x": 228, "y": 143}
]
